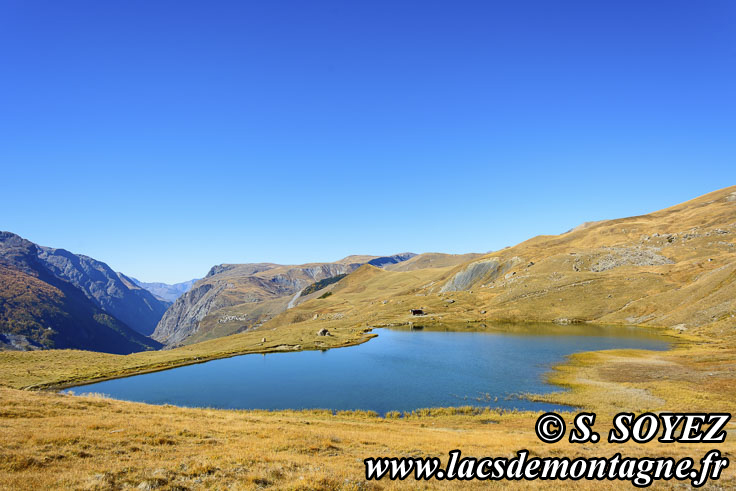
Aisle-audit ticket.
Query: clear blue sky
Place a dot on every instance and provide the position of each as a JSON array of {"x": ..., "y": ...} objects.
[{"x": 163, "y": 137}]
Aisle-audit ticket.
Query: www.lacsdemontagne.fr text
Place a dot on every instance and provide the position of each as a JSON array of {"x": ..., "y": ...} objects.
[{"x": 641, "y": 472}]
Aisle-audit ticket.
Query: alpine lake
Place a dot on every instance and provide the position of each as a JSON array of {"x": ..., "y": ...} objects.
[{"x": 401, "y": 369}]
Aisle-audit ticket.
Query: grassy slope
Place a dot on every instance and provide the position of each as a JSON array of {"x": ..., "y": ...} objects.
[
  {"x": 58, "y": 440},
  {"x": 60, "y": 368},
  {"x": 552, "y": 278}
]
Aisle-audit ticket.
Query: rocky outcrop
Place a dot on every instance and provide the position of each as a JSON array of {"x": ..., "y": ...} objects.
[
  {"x": 472, "y": 273},
  {"x": 629, "y": 256},
  {"x": 239, "y": 269},
  {"x": 182, "y": 318},
  {"x": 245, "y": 295},
  {"x": 226, "y": 289}
]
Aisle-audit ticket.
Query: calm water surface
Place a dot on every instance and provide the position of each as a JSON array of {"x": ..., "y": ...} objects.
[{"x": 399, "y": 370}]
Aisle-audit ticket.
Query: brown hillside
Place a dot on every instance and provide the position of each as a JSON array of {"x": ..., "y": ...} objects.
[{"x": 671, "y": 268}]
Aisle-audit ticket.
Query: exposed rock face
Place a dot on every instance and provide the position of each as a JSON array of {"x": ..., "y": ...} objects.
[
  {"x": 236, "y": 285},
  {"x": 41, "y": 307},
  {"x": 182, "y": 318},
  {"x": 239, "y": 269},
  {"x": 18, "y": 342},
  {"x": 472, "y": 273},
  {"x": 245, "y": 295}
]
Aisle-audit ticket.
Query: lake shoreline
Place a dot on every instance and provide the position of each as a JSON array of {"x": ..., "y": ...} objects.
[
  {"x": 207, "y": 444},
  {"x": 367, "y": 334},
  {"x": 57, "y": 386}
]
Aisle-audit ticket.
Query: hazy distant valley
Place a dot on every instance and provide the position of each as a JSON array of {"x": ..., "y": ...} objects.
[{"x": 164, "y": 291}]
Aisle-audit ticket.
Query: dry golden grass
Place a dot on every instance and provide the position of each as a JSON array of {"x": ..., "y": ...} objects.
[
  {"x": 51, "y": 441},
  {"x": 429, "y": 260},
  {"x": 60, "y": 441},
  {"x": 690, "y": 378},
  {"x": 63, "y": 368}
]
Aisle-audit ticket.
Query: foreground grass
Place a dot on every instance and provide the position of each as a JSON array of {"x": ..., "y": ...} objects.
[
  {"x": 50, "y": 440},
  {"x": 60, "y": 441}
]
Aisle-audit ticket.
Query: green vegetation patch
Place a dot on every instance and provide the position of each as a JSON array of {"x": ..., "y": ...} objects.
[{"x": 321, "y": 284}]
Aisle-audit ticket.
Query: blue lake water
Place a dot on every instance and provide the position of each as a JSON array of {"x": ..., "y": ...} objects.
[{"x": 400, "y": 370}]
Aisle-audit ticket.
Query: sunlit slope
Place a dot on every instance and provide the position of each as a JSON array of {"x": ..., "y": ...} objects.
[
  {"x": 233, "y": 298},
  {"x": 673, "y": 268},
  {"x": 367, "y": 297}
]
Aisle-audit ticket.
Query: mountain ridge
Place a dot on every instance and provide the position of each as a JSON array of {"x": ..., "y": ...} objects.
[
  {"x": 674, "y": 267},
  {"x": 133, "y": 305},
  {"x": 246, "y": 295},
  {"x": 40, "y": 309}
]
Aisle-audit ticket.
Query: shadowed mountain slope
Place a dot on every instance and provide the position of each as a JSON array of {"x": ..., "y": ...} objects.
[
  {"x": 432, "y": 260},
  {"x": 115, "y": 293},
  {"x": 40, "y": 309}
]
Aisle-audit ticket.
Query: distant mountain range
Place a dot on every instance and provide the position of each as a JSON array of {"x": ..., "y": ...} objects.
[
  {"x": 672, "y": 268},
  {"x": 236, "y": 297},
  {"x": 51, "y": 298},
  {"x": 164, "y": 291}
]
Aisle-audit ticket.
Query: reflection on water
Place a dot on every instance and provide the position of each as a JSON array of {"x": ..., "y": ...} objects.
[{"x": 402, "y": 369}]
